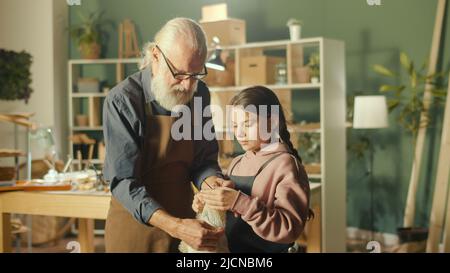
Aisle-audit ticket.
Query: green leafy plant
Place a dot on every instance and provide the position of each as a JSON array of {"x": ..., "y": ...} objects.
[
  {"x": 408, "y": 96},
  {"x": 310, "y": 147},
  {"x": 88, "y": 34},
  {"x": 15, "y": 75},
  {"x": 314, "y": 64}
]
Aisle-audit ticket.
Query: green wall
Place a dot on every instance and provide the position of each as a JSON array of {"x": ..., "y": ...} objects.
[{"x": 373, "y": 35}]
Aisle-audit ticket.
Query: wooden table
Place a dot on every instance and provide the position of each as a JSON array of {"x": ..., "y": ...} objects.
[
  {"x": 84, "y": 206},
  {"x": 87, "y": 207}
]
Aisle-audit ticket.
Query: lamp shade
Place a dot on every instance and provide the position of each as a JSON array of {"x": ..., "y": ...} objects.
[
  {"x": 370, "y": 112},
  {"x": 215, "y": 62}
]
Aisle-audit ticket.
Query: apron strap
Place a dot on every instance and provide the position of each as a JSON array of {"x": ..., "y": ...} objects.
[
  {"x": 267, "y": 163},
  {"x": 237, "y": 161},
  {"x": 148, "y": 109}
]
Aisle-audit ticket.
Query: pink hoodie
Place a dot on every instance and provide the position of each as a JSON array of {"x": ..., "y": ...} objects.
[{"x": 279, "y": 204}]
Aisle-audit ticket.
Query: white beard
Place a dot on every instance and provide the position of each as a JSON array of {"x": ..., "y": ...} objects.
[{"x": 169, "y": 97}]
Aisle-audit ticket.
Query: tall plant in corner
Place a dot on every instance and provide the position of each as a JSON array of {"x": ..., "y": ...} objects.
[{"x": 407, "y": 96}]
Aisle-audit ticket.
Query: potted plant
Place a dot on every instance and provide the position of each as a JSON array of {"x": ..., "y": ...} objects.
[
  {"x": 88, "y": 34},
  {"x": 314, "y": 65},
  {"x": 408, "y": 98},
  {"x": 15, "y": 75},
  {"x": 295, "y": 28}
]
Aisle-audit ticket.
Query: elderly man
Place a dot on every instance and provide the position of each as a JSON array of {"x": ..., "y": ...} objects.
[{"x": 150, "y": 171}]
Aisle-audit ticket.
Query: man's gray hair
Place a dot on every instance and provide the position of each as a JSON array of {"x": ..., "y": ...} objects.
[{"x": 178, "y": 28}]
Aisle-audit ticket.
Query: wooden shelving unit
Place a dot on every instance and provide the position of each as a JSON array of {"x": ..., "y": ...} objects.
[
  {"x": 330, "y": 124},
  {"x": 91, "y": 103}
]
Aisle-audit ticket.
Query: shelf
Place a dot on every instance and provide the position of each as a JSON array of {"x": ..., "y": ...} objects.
[
  {"x": 274, "y": 43},
  {"x": 93, "y": 161},
  {"x": 304, "y": 86},
  {"x": 305, "y": 128},
  {"x": 89, "y": 95},
  {"x": 105, "y": 61},
  {"x": 86, "y": 128},
  {"x": 315, "y": 176},
  {"x": 313, "y": 186},
  {"x": 295, "y": 128},
  {"x": 11, "y": 153}
]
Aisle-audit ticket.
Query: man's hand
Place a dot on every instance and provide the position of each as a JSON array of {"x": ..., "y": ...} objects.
[
  {"x": 199, "y": 234},
  {"x": 221, "y": 198},
  {"x": 196, "y": 233},
  {"x": 214, "y": 182}
]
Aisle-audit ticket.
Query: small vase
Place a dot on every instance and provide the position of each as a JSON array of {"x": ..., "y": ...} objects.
[
  {"x": 81, "y": 120},
  {"x": 90, "y": 50},
  {"x": 295, "y": 32},
  {"x": 315, "y": 80}
]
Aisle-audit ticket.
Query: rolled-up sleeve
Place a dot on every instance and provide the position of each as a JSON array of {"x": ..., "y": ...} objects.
[
  {"x": 123, "y": 157},
  {"x": 205, "y": 151}
]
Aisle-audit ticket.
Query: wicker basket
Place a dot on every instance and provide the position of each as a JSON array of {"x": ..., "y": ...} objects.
[{"x": 7, "y": 173}]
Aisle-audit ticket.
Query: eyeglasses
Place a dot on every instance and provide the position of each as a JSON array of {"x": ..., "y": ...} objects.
[{"x": 183, "y": 76}]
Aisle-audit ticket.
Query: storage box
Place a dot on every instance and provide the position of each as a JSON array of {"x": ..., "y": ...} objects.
[
  {"x": 88, "y": 85},
  {"x": 214, "y": 12},
  {"x": 259, "y": 69},
  {"x": 221, "y": 78},
  {"x": 229, "y": 31}
]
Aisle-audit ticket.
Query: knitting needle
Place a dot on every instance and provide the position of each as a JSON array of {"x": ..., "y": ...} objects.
[{"x": 208, "y": 185}]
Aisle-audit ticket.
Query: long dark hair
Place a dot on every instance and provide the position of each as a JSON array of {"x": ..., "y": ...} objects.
[{"x": 262, "y": 96}]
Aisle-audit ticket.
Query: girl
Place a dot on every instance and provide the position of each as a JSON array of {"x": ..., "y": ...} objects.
[{"x": 269, "y": 204}]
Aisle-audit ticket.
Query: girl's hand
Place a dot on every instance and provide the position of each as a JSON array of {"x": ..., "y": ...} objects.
[
  {"x": 198, "y": 204},
  {"x": 225, "y": 183},
  {"x": 221, "y": 198},
  {"x": 214, "y": 182}
]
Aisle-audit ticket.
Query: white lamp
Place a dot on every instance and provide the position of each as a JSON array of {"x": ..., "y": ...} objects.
[{"x": 370, "y": 112}]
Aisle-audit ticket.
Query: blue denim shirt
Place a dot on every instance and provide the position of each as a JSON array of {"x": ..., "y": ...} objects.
[{"x": 124, "y": 121}]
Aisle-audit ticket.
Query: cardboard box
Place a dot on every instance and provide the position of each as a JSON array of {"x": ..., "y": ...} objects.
[
  {"x": 221, "y": 78},
  {"x": 88, "y": 85},
  {"x": 259, "y": 70},
  {"x": 214, "y": 12},
  {"x": 229, "y": 31}
]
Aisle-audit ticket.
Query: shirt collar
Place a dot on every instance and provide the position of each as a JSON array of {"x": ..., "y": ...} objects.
[{"x": 146, "y": 77}]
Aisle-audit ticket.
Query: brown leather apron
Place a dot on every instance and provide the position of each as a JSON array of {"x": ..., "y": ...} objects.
[{"x": 166, "y": 176}]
